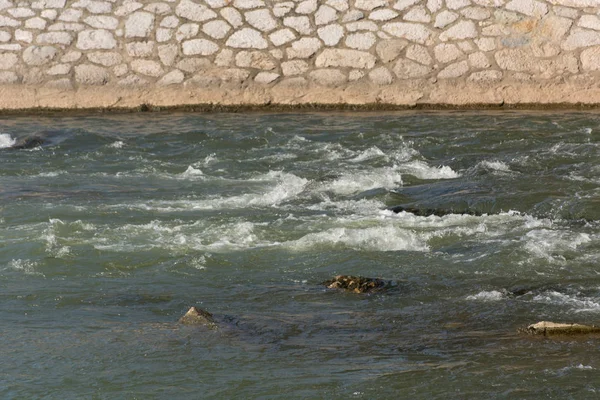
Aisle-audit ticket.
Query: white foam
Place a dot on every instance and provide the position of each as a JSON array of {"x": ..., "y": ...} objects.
[
  {"x": 6, "y": 141},
  {"x": 27, "y": 267},
  {"x": 355, "y": 182},
  {"x": 492, "y": 295},
  {"x": 572, "y": 301},
  {"x": 382, "y": 238},
  {"x": 373, "y": 152},
  {"x": 422, "y": 170},
  {"x": 495, "y": 166},
  {"x": 117, "y": 145},
  {"x": 551, "y": 244},
  {"x": 191, "y": 173}
]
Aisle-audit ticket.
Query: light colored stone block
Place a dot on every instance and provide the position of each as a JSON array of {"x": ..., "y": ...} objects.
[
  {"x": 147, "y": 67},
  {"x": 532, "y": 8},
  {"x": 255, "y": 59},
  {"x": 59, "y": 69},
  {"x": 107, "y": 59},
  {"x": 589, "y": 21},
  {"x": 383, "y": 15},
  {"x": 224, "y": 58},
  {"x": 402, "y": 5},
  {"x": 461, "y": 30},
  {"x": 325, "y": 15},
  {"x": 39, "y": 55},
  {"x": 21, "y": 12},
  {"x": 381, "y": 76},
  {"x": 479, "y": 60},
  {"x": 102, "y": 22},
  {"x": 457, "y": 4},
  {"x": 187, "y": 31},
  {"x": 61, "y": 38},
  {"x": 8, "y": 60},
  {"x": 282, "y": 36},
  {"x": 485, "y": 44},
  {"x": 87, "y": 74},
  {"x": 409, "y": 31},
  {"x": 32, "y": 23},
  {"x": 295, "y": 67},
  {"x": 265, "y": 78},
  {"x": 167, "y": 54},
  {"x": 419, "y": 54},
  {"x": 353, "y": 15},
  {"x": 139, "y": 49},
  {"x": 455, "y": 70},
  {"x": 194, "y": 11},
  {"x": 261, "y": 20},
  {"x": 23, "y": 36},
  {"x": 580, "y": 38},
  {"x": 199, "y": 47},
  {"x": 247, "y": 38},
  {"x": 417, "y": 14},
  {"x": 163, "y": 35},
  {"x": 389, "y": 50},
  {"x": 445, "y": 18},
  {"x": 369, "y": 5},
  {"x": 331, "y": 34},
  {"x": 590, "y": 59},
  {"x": 485, "y": 76},
  {"x": 248, "y": 4},
  {"x": 408, "y": 69},
  {"x": 172, "y": 78},
  {"x": 299, "y": 24},
  {"x": 445, "y": 53},
  {"x": 158, "y": 8},
  {"x": 93, "y": 39},
  {"x": 139, "y": 25},
  {"x": 232, "y": 16},
  {"x": 170, "y": 21},
  {"x": 328, "y": 77},
  {"x": 304, "y": 48},
  {"x": 361, "y": 41},
  {"x": 216, "y": 29},
  {"x": 42, "y": 4},
  {"x": 282, "y": 9},
  {"x": 345, "y": 58},
  {"x": 306, "y": 7},
  {"x": 340, "y": 5}
]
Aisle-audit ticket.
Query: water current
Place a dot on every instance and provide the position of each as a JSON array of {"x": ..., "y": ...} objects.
[{"x": 116, "y": 224}]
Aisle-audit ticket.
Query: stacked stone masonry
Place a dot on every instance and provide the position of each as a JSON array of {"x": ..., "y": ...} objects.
[{"x": 176, "y": 52}]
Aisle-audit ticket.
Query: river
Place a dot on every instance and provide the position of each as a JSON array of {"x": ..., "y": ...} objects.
[{"x": 117, "y": 224}]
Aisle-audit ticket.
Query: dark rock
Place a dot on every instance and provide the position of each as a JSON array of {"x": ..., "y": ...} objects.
[
  {"x": 438, "y": 212},
  {"x": 357, "y": 284},
  {"x": 198, "y": 316},
  {"x": 28, "y": 143},
  {"x": 546, "y": 328}
]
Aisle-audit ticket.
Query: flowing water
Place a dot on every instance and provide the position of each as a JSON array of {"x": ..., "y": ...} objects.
[{"x": 116, "y": 225}]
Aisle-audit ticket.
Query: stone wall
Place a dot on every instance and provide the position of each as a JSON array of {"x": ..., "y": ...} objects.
[{"x": 123, "y": 53}]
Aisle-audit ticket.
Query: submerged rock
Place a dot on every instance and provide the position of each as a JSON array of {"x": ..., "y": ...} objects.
[
  {"x": 357, "y": 284},
  {"x": 546, "y": 328},
  {"x": 198, "y": 316}
]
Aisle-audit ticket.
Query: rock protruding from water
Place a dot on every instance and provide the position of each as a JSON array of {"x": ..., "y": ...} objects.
[
  {"x": 438, "y": 212},
  {"x": 357, "y": 284},
  {"x": 28, "y": 143},
  {"x": 197, "y": 316},
  {"x": 546, "y": 328}
]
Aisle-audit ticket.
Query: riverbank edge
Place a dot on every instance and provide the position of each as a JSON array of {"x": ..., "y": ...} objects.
[{"x": 32, "y": 99}]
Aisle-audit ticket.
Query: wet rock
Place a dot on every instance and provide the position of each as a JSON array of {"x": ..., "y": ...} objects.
[
  {"x": 28, "y": 143},
  {"x": 357, "y": 284},
  {"x": 438, "y": 212},
  {"x": 547, "y": 328},
  {"x": 198, "y": 316}
]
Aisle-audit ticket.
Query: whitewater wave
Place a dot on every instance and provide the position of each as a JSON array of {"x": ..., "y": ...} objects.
[{"x": 6, "y": 141}]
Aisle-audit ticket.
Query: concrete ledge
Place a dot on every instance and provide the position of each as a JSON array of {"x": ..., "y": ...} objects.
[{"x": 426, "y": 95}]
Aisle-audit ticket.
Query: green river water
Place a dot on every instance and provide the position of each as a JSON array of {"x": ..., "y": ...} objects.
[{"x": 117, "y": 224}]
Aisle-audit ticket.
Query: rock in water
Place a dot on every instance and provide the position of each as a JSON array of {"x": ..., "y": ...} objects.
[
  {"x": 357, "y": 284},
  {"x": 28, "y": 143},
  {"x": 198, "y": 316},
  {"x": 547, "y": 328}
]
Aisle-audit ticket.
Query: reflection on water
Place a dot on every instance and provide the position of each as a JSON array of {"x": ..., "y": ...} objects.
[{"x": 115, "y": 225}]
